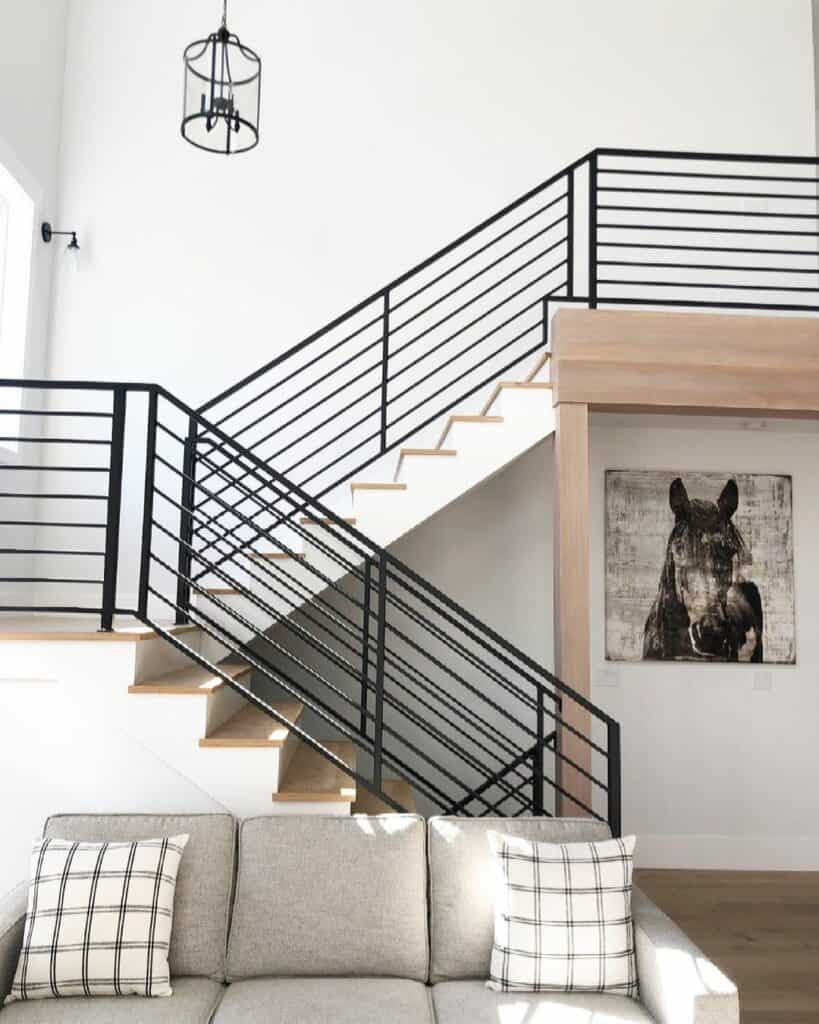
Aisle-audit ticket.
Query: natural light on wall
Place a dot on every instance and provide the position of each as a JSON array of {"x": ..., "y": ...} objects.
[{"x": 16, "y": 237}]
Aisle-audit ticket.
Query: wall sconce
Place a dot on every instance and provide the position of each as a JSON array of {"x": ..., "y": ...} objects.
[{"x": 72, "y": 250}]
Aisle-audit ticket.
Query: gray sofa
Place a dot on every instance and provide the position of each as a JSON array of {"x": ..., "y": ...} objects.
[{"x": 318, "y": 920}]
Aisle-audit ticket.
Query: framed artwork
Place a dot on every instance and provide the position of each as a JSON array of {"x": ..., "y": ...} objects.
[{"x": 699, "y": 567}]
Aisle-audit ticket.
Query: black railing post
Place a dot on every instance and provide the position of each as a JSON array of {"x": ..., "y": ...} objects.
[
  {"x": 183, "y": 587},
  {"x": 537, "y": 758},
  {"x": 593, "y": 231},
  {"x": 385, "y": 359},
  {"x": 614, "y": 778},
  {"x": 379, "y": 671},
  {"x": 148, "y": 504},
  {"x": 365, "y": 650},
  {"x": 570, "y": 234},
  {"x": 113, "y": 512}
]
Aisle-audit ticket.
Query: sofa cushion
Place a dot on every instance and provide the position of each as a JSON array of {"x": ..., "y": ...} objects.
[
  {"x": 471, "y": 1002},
  {"x": 462, "y": 880},
  {"x": 330, "y": 896},
  {"x": 326, "y": 1001},
  {"x": 204, "y": 883},
  {"x": 193, "y": 1002}
]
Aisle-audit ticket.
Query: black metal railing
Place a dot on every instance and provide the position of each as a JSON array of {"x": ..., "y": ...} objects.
[
  {"x": 615, "y": 228},
  {"x": 376, "y": 654}
]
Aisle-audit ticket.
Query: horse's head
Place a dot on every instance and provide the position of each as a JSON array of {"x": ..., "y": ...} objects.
[{"x": 700, "y": 563}]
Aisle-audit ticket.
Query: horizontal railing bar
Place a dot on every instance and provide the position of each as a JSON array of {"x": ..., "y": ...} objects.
[
  {"x": 51, "y": 440},
  {"x": 704, "y": 174},
  {"x": 771, "y": 232},
  {"x": 50, "y": 551},
  {"x": 53, "y": 609},
  {"x": 486, "y": 269},
  {"x": 301, "y": 369},
  {"x": 623, "y": 300},
  {"x": 669, "y": 154},
  {"x": 705, "y": 192},
  {"x": 38, "y": 384},
  {"x": 709, "y": 213},
  {"x": 46, "y": 579},
  {"x": 55, "y": 469},
  {"x": 706, "y": 266},
  {"x": 49, "y": 412},
  {"x": 66, "y": 497},
  {"x": 34, "y": 522},
  {"x": 477, "y": 252},
  {"x": 647, "y": 283},
  {"x": 708, "y": 248}
]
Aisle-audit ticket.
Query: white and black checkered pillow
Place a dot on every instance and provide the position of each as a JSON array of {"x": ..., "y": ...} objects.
[
  {"x": 563, "y": 916},
  {"x": 99, "y": 919}
]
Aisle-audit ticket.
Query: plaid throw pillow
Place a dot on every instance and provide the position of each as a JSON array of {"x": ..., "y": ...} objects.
[
  {"x": 563, "y": 917},
  {"x": 99, "y": 919}
]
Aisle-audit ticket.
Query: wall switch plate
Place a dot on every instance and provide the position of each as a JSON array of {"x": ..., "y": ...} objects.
[
  {"x": 763, "y": 681},
  {"x": 607, "y": 677}
]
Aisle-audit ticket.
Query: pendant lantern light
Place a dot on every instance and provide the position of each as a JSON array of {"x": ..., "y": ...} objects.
[{"x": 222, "y": 95}]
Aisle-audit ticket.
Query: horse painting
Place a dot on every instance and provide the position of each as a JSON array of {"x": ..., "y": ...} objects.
[{"x": 703, "y": 609}]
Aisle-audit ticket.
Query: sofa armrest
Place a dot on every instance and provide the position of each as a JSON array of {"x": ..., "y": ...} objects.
[
  {"x": 12, "y": 919},
  {"x": 678, "y": 984}
]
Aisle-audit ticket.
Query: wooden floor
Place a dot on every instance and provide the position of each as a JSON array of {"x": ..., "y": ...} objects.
[{"x": 760, "y": 927}]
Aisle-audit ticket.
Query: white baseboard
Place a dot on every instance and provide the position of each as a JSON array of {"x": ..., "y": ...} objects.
[{"x": 780, "y": 852}]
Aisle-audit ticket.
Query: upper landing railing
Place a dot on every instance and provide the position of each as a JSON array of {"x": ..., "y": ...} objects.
[{"x": 616, "y": 228}]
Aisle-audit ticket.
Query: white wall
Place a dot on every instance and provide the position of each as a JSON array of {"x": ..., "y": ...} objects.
[
  {"x": 32, "y": 47},
  {"x": 716, "y": 771},
  {"x": 386, "y": 130}
]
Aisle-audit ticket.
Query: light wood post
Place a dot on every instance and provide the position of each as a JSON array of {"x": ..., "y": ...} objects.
[{"x": 572, "y": 597}]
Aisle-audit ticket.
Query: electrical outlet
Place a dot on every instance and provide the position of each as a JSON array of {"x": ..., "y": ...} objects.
[{"x": 763, "y": 681}]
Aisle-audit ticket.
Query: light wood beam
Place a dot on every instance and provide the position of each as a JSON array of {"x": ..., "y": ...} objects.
[{"x": 572, "y": 589}]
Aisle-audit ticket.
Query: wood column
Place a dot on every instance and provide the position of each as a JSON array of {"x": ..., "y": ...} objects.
[{"x": 572, "y": 591}]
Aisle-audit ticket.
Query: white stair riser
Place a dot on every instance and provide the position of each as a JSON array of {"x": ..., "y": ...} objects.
[{"x": 528, "y": 403}]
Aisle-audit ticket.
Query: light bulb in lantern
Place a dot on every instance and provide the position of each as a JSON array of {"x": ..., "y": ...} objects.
[{"x": 72, "y": 253}]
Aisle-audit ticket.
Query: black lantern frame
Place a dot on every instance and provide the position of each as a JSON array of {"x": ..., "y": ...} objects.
[{"x": 222, "y": 93}]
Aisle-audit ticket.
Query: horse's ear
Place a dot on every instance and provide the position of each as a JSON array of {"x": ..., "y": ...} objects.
[
  {"x": 729, "y": 499},
  {"x": 678, "y": 499}
]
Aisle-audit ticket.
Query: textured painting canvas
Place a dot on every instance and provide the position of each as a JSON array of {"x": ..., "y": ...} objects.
[{"x": 699, "y": 567}]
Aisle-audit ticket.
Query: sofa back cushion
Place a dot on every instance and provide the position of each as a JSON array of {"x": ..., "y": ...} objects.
[
  {"x": 462, "y": 884},
  {"x": 204, "y": 884},
  {"x": 330, "y": 896}
]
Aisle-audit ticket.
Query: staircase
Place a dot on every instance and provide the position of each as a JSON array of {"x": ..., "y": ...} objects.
[{"x": 314, "y": 670}]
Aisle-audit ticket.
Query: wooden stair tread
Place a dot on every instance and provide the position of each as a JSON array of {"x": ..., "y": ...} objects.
[
  {"x": 274, "y": 556},
  {"x": 541, "y": 362},
  {"x": 222, "y": 591},
  {"x": 311, "y": 777},
  {"x": 252, "y": 727},
  {"x": 400, "y": 791},
  {"x": 191, "y": 680},
  {"x": 69, "y": 629},
  {"x": 527, "y": 385},
  {"x": 466, "y": 419},
  {"x": 378, "y": 487}
]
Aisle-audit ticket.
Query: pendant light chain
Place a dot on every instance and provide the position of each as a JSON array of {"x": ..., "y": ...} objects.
[{"x": 224, "y": 13}]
